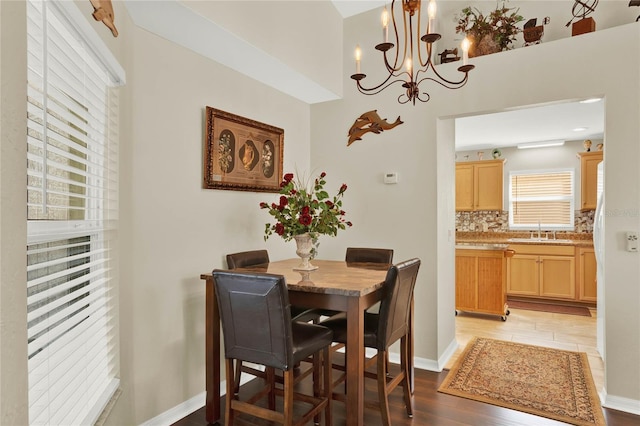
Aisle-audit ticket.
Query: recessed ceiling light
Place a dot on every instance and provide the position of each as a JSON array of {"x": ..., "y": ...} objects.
[
  {"x": 590, "y": 100},
  {"x": 580, "y": 129}
]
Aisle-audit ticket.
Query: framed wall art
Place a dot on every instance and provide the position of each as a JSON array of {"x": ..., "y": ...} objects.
[{"x": 242, "y": 154}]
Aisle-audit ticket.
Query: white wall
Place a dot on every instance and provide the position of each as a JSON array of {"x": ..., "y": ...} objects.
[{"x": 409, "y": 216}]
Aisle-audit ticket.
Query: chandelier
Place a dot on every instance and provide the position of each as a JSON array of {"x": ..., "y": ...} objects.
[{"x": 408, "y": 67}]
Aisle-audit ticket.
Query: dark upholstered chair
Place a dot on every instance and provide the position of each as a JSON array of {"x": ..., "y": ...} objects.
[
  {"x": 247, "y": 259},
  {"x": 257, "y": 327},
  {"x": 363, "y": 255},
  {"x": 385, "y": 328},
  {"x": 369, "y": 255},
  {"x": 260, "y": 257}
]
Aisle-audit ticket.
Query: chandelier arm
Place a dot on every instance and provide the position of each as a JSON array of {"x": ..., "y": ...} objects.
[
  {"x": 418, "y": 38},
  {"x": 377, "y": 89},
  {"x": 413, "y": 100},
  {"x": 428, "y": 62},
  {"x": 446, "y": 83},
  {"x": 396, "y": 67}
]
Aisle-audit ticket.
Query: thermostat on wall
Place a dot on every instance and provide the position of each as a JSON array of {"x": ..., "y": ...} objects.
[{"x": 391, "y": 177}]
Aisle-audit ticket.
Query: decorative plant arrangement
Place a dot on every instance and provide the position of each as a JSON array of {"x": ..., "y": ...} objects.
[
  {"x": 489, "y": 33},
  {"x": 304, "y": 211}
]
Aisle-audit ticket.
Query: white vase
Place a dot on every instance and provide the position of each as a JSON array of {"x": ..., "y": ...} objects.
[{"x": 304, "y": 245}]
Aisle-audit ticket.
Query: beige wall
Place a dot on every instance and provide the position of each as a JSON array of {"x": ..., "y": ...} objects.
[
  {"x": 409, "y": 216},
  {"x": 13, "y": 226},
  {"x": 282, "y": 28},
  {"x": 172, "y": 230}
]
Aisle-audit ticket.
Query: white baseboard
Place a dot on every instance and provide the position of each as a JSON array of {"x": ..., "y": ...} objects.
[
  {"x": 448, "y": 353},
  {"x": 619, "y": 403},
  {"x": 182, "y": 410}
]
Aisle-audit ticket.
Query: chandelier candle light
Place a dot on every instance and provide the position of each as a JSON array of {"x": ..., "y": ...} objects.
[{"x": 408, "y": 67}]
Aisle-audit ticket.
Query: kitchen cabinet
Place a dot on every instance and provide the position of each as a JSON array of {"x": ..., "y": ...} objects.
[
  {"x": 542, "y": 271},
  {"x": 587, "y": 285},
  {"x": 480, "y": 281},
  {"x": 589, "y": 179},
  {"x": 479, "y": 185}
]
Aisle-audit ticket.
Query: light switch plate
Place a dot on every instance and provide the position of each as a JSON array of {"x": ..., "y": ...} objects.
[{"x": 632, "y": 241}]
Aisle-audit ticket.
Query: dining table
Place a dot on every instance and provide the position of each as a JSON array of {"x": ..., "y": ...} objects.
[{"x": 334, "y": 285}]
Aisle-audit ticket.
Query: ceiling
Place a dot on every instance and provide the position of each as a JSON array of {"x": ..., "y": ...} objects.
[
  {"x": 536, "y": 124},
  {"x": 354, "y": 7}
]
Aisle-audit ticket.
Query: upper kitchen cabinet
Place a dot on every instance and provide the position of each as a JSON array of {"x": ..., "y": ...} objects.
[
  {"x": 479, "y": 185},
  {"x": 589, "y": 179}
]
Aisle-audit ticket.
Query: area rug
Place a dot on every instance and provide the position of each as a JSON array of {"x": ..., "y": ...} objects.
[
  {"x": 546, "y": 382},
  {"x": 549, "y": 307}
]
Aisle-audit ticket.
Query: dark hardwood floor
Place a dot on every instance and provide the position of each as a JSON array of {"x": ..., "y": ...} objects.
[{"x": 431, "y": 408}]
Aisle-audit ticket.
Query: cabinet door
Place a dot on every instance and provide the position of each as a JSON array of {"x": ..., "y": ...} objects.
[
  {"x": 588, "y": 289},
  {"x": 491, "y": 291},
  {"x": 557, "y": 277},
  {"x": 488, "y": 186},
  {"x": 466, "y": 279},
  {"x": 464, "y": 187},
  {"x": 589, "y": 179},
  {"x": 522, "y": 275}
]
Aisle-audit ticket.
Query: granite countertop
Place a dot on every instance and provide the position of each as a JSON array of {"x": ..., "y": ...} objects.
[
  {"x": 498, "y": 239},
  {"x": 470, "y": 245}
]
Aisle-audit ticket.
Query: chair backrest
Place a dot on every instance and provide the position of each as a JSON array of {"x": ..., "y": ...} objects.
[
  {"x": 393, "y": 319},
  {"x": 255, "y": 317},
  {"x": 370, "y": 255},
  {"x": 247, "y": 258}
]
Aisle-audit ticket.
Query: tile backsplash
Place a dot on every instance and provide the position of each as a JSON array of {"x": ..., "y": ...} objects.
[{"x": 498, "y": 221}]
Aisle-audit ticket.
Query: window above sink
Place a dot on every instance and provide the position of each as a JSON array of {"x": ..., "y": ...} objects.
[{"x": 542, "y": 199}]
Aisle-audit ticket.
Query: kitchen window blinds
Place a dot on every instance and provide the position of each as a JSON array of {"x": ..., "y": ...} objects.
[
  {"x": 545, "y": 198},
  {"x": 72, "y": 162}
]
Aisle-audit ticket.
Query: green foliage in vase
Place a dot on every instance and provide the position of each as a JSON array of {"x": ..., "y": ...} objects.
[{"x": 500, "y": 24}]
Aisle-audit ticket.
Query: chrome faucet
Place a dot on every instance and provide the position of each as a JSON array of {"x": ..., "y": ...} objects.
[{"x": 539, "y": 231}]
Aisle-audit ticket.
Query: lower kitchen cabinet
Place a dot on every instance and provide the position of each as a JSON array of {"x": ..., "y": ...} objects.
[
  {"x": 480, "y": 282},
  {"x": 587, "y": 285},
  {"x": 545, "y": 271}
]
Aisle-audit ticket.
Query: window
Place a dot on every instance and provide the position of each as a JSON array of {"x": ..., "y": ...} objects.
[
  {"x": 542, "y": 198},
  {"x": 72, "y": 159}
]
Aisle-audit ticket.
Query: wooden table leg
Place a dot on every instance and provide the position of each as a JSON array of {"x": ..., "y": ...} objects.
[
  {"x": 355, "y": 362},
  {"x": 212, "y": 354}
]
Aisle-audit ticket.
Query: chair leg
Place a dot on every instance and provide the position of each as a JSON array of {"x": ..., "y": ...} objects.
[
  {"x": 316, "y": 382},
  {"x": 386, "y": 361},
  {"x": 228, "y": 412},
  {"x": 406, "y": 380},
  {"x": 271, "y": 382},
  {"x": 236, "y": 389},
  {"x": 288, "y": 397},
  {"x": 383, "y": 393},
  {"x": 328, "y": 390}
]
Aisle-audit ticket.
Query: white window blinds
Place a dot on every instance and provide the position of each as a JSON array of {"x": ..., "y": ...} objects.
[
  {"x": 72, "y": 159},
  {"x": 545, "y": 198}
]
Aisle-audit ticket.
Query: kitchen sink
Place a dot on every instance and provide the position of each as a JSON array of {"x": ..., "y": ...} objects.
[{"x": 538, "y": 240}]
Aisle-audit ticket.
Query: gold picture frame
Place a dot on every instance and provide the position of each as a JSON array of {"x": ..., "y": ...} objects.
[{"x": 242, "y": 154}]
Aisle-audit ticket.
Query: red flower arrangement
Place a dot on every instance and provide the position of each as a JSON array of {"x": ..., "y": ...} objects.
[{"x": 303, "y": 208}]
